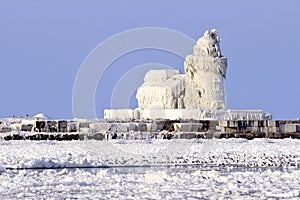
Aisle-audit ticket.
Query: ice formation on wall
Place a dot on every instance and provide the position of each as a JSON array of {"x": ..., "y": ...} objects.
[
  {"x": 161, "y": 89},
  {"x": 201, "y": 87}
]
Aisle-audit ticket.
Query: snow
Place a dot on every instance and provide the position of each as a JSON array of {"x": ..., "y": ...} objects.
[
  {"x": 156, "y": 169},
  {"x": 41, "y": 116},
  {"x": 157, "y": 183}
]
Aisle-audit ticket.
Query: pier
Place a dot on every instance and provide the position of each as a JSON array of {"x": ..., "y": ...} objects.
[{"x": 65, "y": 130}]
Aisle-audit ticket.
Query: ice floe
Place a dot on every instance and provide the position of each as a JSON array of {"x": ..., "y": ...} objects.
[{"x": 150, "y": 169}]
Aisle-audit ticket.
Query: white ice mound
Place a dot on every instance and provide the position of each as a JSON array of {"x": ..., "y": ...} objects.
[
  {"x": 41, "y": 116},
  {"x": 161, "y": 89}
]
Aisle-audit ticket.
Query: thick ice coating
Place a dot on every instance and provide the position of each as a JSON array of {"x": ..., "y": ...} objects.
[{"x": 201, "y": 87}]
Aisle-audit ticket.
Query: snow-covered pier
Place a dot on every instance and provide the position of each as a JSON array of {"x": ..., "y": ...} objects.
[{"x": 99, "y": 129}]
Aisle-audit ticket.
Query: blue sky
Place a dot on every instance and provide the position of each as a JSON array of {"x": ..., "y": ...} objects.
[{"x": 43, "y": 44}]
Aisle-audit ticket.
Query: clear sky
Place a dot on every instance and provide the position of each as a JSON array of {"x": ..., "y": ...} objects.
[{"x": 43, "y": 44}]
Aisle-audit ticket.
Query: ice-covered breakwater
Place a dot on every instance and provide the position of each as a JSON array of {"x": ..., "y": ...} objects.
[{"x": 37, "y": 129}]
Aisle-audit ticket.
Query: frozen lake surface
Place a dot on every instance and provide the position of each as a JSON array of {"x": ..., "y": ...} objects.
[{"x": 150, "y": 169}]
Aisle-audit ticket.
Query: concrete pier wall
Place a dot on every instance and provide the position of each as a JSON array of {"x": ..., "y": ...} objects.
[{"x": 146, "y": 129}]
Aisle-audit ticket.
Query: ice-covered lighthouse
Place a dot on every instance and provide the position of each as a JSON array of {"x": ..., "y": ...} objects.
[{"x": 197, "y": 94}]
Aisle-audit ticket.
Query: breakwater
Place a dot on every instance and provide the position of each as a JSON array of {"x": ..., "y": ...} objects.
[{"x": 151, "y": 129}]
